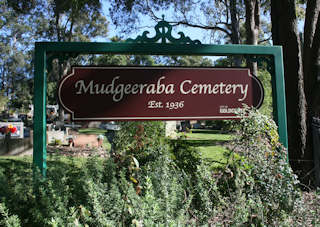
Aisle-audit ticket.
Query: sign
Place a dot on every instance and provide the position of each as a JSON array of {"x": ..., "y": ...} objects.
[{"x": 158, "y": 93}]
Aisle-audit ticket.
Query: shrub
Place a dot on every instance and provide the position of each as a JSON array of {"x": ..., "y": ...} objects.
[
  {"x": 258, "y": 181},
  {"x": 185, "y": 156},
  {"x": 138, "y": 135},
  {"x": 6, "y": 219},
  {"x": 150, "y": 182}
]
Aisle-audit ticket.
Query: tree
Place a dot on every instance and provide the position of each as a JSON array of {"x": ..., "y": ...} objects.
[
  {"x": 252, "y": 27},
  {"x": 222, "y": 18},
  {"x": 311, "y": 56},
  {"x": 3, "y": 102},
  {"x": 66, "y": 21},
  {"x": 301, "y": 71},
  {"x": 15, "y": 54},
  {"x": 49, "y": 20},
  {"x": 228, "y": 21}
]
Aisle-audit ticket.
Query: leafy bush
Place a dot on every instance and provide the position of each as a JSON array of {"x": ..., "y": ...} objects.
[
  {"x": 306, "y": 211},
  {"x": 138, "y": 135},
  {"x": 265, "y": 78},
  {"x": 259, "y": 181},
  {"x": 185, "y": 156},
  {"x": 6, "y": 219},
  {"x": 150, "y": 182}
]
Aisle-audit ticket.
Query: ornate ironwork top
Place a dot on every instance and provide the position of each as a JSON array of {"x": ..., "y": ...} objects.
[{"x": 163, "y": 34}]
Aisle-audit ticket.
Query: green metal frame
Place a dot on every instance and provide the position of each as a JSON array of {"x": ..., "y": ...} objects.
[{"x": 142, "y": 45}]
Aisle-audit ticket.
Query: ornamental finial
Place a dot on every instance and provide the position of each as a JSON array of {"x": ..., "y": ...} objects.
[{"x": 163, "y": 34}]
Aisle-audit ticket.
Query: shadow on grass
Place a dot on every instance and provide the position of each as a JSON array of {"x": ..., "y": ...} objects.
[
  {"x": 219, "y": 163},
  {"x": 205, "y": 143},
  {"x": 23, "y": 166},
  {"x": 96, "y": 131},
  {"x": 209, "y": 131},
  {"x": 19, "y": 166}
]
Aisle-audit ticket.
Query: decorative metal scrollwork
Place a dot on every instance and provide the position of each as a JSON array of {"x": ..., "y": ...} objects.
[{"x": 163, "y": 34}]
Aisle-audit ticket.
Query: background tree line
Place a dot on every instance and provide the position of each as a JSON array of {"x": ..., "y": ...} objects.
[{"x": 253, "y": 22}]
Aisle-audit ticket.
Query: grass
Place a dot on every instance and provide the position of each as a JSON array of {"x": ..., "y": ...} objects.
[
  {"x": 25, "y": 161},
  {"x": 210, "y": 144},
  {"x": 217, "y": 156},
  {"x": 212, "y": 135},
  {"x": 96, "y": 131}
]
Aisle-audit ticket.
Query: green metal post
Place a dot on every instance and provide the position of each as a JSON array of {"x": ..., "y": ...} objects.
[
  {"x": 40, "y": 93},
  {"x": 279, "y": 100}
]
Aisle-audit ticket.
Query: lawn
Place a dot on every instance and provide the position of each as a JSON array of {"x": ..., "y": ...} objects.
[
  {"x": 211, "y": 145},
  {"x": 26, "y": 161},
  {"x": 205, "y": 134},
  {"x": 96, "y": 131},
  {"x": 209, "y": 142}
]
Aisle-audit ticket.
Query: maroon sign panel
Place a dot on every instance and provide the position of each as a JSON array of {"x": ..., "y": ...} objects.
[{"x": 149, "y": 93}]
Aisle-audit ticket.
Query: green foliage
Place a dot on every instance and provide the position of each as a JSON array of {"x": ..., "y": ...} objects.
[
  {"x": 6, "y": 219},
  {"x": 15, "y": 55},
  {"x": 206, "y": 136},
  {"x": 151, "y": 183},
  {"x": 51, "y": 93},
  {"x": 265, "y": 78},
  {"x": 125, "y": 60},
  {"x": 3, "y": 101},
  {"x": 96, "y": 131},
  {"x": 263, "y": 187},
  {"x": 185, "y": 156},
  {"x": 139, "y": 138},
  {"x": 307, "y": 211},
  {"x": 97, "y": 194},
  {"x": 189, "y": 61},
  {"x": 216, "y": 156},
  {"x": 24, "y": 22},
  {"x": 70, "y": 20},
  {"x": 23, "y": 89}
]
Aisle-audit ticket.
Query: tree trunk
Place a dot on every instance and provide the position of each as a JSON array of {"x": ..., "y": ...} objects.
[
  {"x": 235, "y": 28},
  {"x": 285, "y": 33},
  {"x": 60, "y": 111},
  {"x": 252, "y": 28},
  {"x": 309, "y": 53},
  {"x": 311, "y": 69},
  {"x": 314, "y": 65},
  {"x": 312, "y": 74},
  {"x": 234, "y": 22},
  {"x": 63, "y": 70}
]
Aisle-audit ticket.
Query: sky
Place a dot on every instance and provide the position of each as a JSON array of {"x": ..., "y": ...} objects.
[
  {"x": 194, "y": 33},
  {"x": 148, "y": 24}
]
